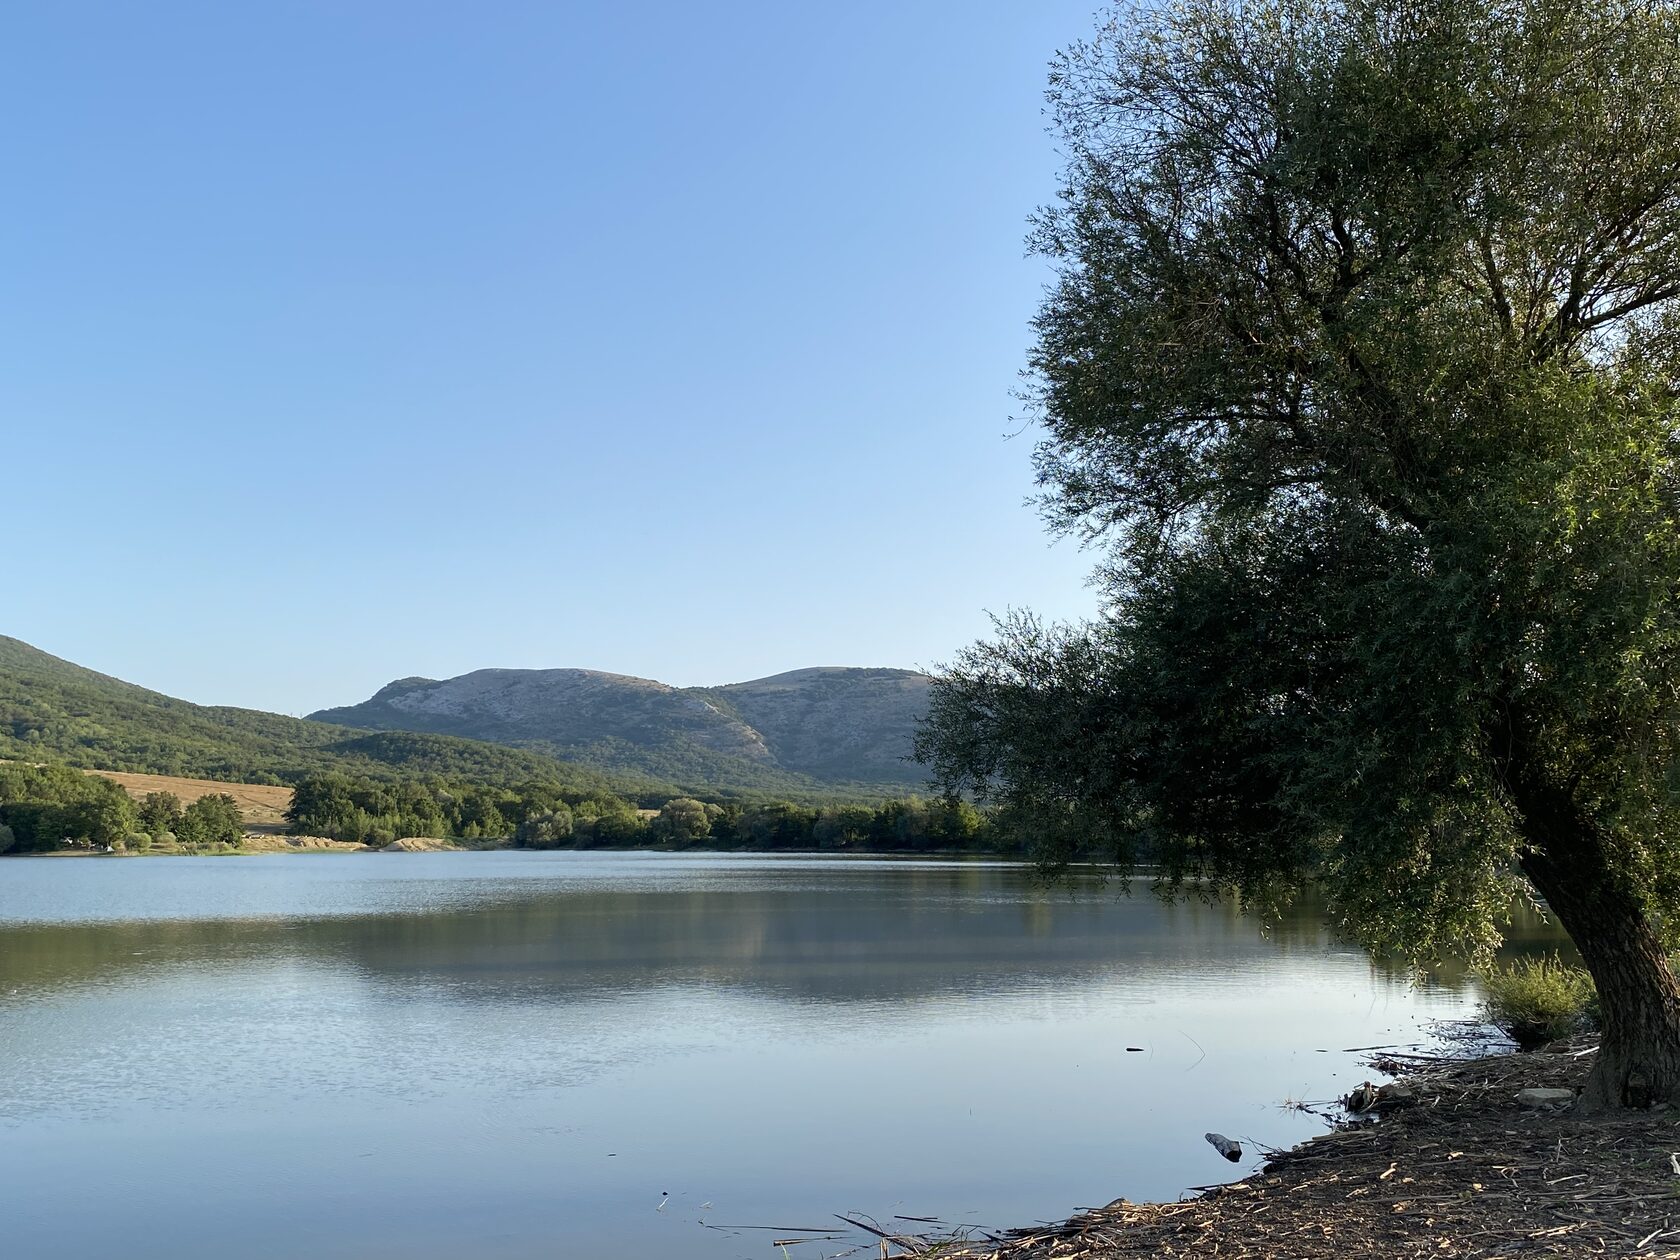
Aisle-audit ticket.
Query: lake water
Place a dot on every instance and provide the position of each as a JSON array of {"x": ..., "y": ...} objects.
[{"x": 520, "y": 1055}]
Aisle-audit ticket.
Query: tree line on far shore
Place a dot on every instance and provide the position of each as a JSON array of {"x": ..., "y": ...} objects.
[
  {"x": 545, "y": 816},
  {"x": 56, "y": 808},
  {"x": 46, "y": 809}
]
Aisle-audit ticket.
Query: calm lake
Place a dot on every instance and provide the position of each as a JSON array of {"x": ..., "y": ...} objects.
[{"x": 501, "y": 1055}]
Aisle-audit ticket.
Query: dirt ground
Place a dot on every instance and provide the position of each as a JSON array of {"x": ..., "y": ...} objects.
[
  {"x": 1463, "y": 1172},
  {"x": 264, "y": 806},
  {"x": 264, "y": 810},
  {"x": 273, "y": 842}
]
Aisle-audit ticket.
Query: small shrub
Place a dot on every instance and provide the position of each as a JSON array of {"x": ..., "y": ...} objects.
[
  {"x": 1540, "y": 1000},
  {"x": 138, "y": 841}
]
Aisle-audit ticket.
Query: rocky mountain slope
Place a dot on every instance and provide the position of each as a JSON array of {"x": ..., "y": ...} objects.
[
  {"x": 833, "y": 726},
  {"x": 832, "y": 723}
]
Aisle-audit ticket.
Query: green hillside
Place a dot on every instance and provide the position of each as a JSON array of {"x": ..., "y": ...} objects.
[{"x": 53, "y": 710}]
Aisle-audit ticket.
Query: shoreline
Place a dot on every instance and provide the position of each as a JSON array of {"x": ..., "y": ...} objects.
[
  {"x": 269, "y": 845},
  {"x": 1464, "y": 1171}
]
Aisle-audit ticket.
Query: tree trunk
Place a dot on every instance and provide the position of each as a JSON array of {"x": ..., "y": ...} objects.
[
  {"x": 1597, "y": 903},
  {"x": 1574, "y": 865}
]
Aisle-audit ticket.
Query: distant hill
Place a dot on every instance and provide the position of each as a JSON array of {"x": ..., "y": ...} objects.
[
  {"x": 834, "y": 724},
  {"x": 811, "y": 735},
  {"x": 834, "y": 728},
  {"x": 53, "y": 710}
]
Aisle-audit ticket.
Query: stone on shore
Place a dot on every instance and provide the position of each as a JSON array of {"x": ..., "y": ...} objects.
[{"x": 1546, "y": 1099}]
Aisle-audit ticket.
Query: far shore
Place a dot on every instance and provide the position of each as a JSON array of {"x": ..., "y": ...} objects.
[{"x": 269, "y": 843}]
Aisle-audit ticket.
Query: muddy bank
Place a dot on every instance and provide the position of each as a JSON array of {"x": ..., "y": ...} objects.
[{"x": 1466, "y": 1171}]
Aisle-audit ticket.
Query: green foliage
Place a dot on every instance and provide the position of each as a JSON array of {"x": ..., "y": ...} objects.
[
  {"x": 607, "y": 824},
  {"x": 539, "y": 814},
  {"x": 843, "y": 827},
  {"x": 774, "y": 825},
  {"x": 1383, "y": 443},
  {"x": 1540, "y": 1000},
  {"x": 545, "y": 829},
  {"x": 53, "y": 710},
  {"x": 365, "y": 811},
  {"x": 7, "y": 839},
  {"x": 160, "y": 811},
  {"x": 683, "y": 820},
  {"x": 545, "y": 815},
  {"x": 52, "y": 807},
  {"x": 213, "y": 819},
  {"x": 912, "y": 825},
  {"x": 1362, "y": 362}
]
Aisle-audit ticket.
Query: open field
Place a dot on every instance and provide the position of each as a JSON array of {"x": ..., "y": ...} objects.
[
  {"x": 263, "y": 805},
  {"x": 264, "y": 808}
]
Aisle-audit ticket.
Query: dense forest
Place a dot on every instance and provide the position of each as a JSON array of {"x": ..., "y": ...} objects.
[
  {"x": 50, "y": 808},
  {"x": 53, "y": 808},
  {"x": 541, "y": 815}
]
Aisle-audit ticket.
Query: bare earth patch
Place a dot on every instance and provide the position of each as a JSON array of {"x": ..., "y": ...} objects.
[
  {"x": 419, "y": 844},
  {"x": 264, "y": 805},
  {"x": 1466, "y": 1172},
  {"x": 263, "y": 842}
]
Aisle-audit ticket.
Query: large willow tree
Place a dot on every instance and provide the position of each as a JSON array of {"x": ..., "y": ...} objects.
[{"x": 1361, "y": 364}]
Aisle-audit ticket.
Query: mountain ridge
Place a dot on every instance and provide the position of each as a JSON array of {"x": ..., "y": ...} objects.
[
  {"x": 840, "y": 725},
  {"x": 738, "y": 740},
  {"x": 52, "y": 709}
]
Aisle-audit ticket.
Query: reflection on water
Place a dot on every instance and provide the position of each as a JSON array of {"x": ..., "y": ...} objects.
[{"x": 512, "y": 1055}]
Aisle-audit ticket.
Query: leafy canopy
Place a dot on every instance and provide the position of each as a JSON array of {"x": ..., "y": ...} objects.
[{"x": 1361, "y": 363}]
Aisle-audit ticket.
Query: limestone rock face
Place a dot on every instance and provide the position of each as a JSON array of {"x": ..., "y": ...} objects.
[
  {"x": 835, "y": 724},
  {"x": 561, "y": 706},
  {"x": 823, "y": 726}
]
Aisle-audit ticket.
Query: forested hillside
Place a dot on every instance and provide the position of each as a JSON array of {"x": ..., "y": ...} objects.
[{"x": 53, "y": 710}]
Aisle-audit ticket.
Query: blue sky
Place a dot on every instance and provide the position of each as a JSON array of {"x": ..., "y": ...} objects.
[{"x": 346, "y": 341}]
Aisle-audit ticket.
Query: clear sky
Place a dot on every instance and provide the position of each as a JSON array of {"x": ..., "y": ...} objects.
[{"x": 349, "y": 340}]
